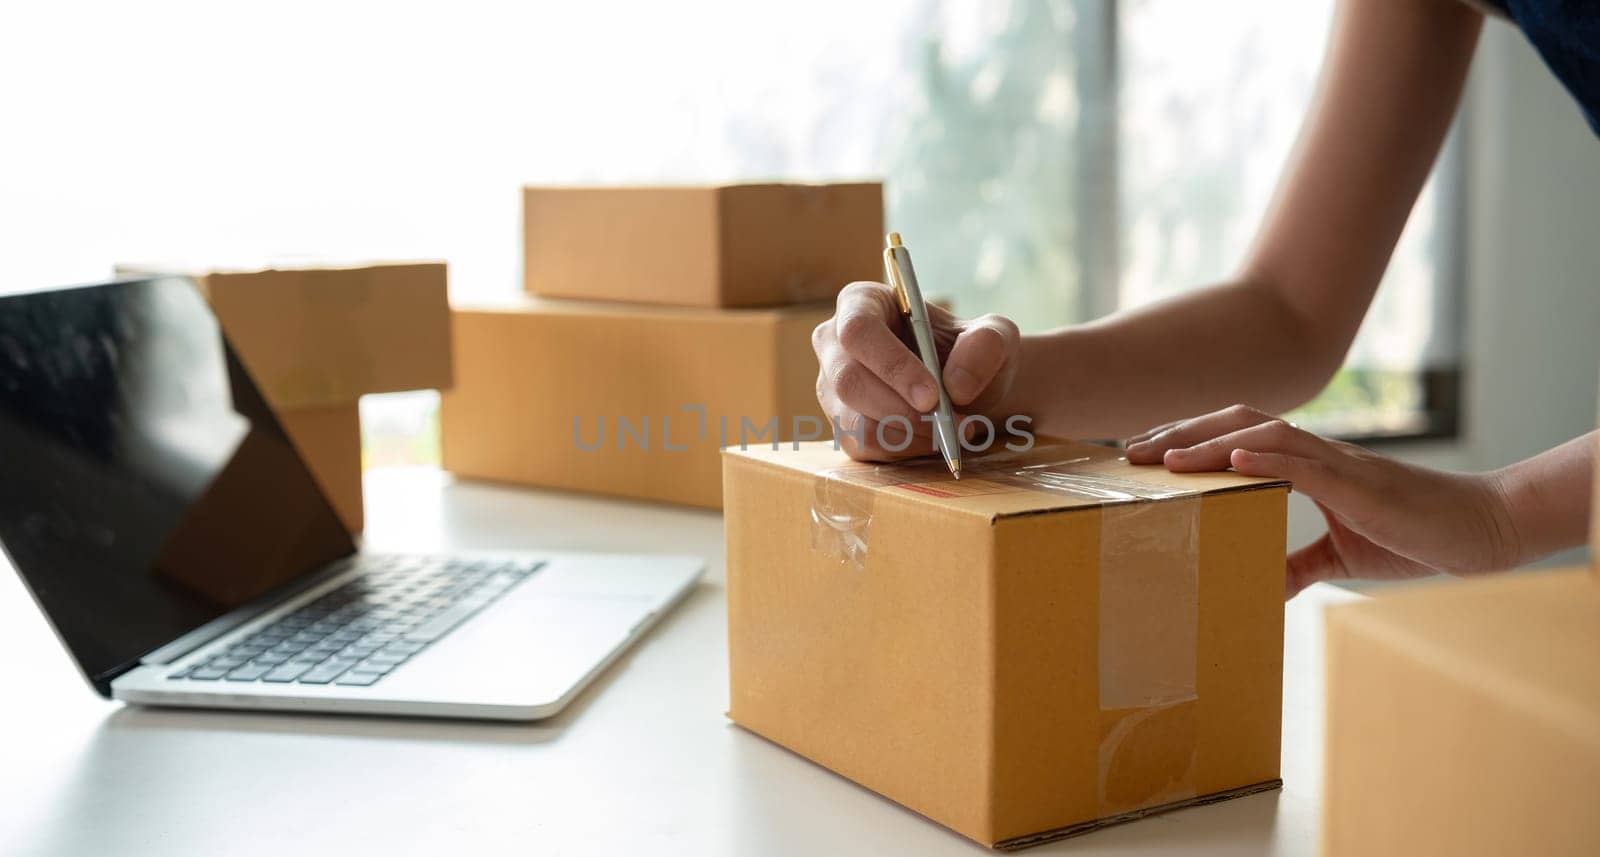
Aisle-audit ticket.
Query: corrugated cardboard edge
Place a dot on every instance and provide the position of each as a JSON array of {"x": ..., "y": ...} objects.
[{"x": 1071, "y": 830}]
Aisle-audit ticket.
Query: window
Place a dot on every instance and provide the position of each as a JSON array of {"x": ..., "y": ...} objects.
[
  {"x": 1103, "y": 155},
  {"x": 1049, "y": 159}
]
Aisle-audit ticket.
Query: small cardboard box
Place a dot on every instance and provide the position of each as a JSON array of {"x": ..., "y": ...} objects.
[
  {"x": 624, "y": 400},
  {"x": 317, "y": 339},
  {"x": 755, "y": 245},
  {"x": 1057, "y": 642},
  {"x": 1463, "y": 719},
  {"x": 330, "y": 335}
]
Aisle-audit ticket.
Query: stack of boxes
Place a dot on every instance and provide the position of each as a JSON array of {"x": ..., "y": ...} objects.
[
  {"x": 317, "y": 339},
  {"x": 664, "y": 323}
]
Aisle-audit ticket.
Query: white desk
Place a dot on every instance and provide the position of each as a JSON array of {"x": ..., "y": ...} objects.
[{"x": 643, "y": 762}]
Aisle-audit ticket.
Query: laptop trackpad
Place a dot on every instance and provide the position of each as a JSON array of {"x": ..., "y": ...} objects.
[{"x": 530, "y": 647}]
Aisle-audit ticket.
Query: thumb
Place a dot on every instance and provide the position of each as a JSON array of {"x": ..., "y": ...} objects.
[
  {"x": 982, "y": 349},
  {"x": 1316, "y": 561}
]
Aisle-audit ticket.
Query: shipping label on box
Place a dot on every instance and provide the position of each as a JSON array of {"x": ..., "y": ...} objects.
[{"x": 1056, "y": 642}]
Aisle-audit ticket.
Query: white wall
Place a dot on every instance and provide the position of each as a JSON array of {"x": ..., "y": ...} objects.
[{"x": 1532, "y": 265}]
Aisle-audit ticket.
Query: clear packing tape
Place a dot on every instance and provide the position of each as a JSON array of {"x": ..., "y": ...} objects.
[{"x": 1148, "y": 606}]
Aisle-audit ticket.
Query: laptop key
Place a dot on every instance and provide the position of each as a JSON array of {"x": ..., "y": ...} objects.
[
  {"x": 358, "y": 679},
  {"x": 287, "y": 672},
  {"x": 367, "y": 627},
  {"x": 248, "y": 672},
  {"x": 326, "y": 672},
  {"x": 443, "y": 623}
]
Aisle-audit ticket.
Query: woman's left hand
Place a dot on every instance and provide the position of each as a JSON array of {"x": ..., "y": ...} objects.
[{"x": 1386, "y": 519}]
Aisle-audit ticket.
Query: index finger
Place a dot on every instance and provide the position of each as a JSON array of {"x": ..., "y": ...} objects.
[{"x": 864, "y": 325}]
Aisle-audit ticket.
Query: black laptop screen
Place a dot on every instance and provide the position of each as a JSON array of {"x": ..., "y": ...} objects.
[{"x": 145, "y": 487}]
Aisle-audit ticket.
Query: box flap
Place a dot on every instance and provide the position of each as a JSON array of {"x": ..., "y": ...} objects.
[{"x": 1055, "y": 475}]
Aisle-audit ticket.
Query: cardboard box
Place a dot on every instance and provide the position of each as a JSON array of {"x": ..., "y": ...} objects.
[
  {"x": 1057, "y": 642},
  {"x": 623, "y": 400},
  {"x": 329, "y": 441},
  {"x": 1463, "y": 718},
  {"x": 328, "y": 336},
  {"x": 317, "y": 339},
  {"x": 755, "y": 245}
]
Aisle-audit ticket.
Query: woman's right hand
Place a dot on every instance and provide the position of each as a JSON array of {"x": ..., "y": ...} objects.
[{"x": 869, "y": 371}]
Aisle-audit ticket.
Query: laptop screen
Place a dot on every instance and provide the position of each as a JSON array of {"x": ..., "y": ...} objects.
[{"x": 145, "y": 487}]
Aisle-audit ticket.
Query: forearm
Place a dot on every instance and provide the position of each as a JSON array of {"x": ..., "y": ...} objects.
[
  {"x": 1231, "y": 343},
  {"x": 1548, "y": 497},
  {"x": 1272, "y": 338}
]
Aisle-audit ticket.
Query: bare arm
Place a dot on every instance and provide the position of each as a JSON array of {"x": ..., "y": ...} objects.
[
  {"x": 1274, "y": 336},
  {"x": 1270, "y": 338},
  {"x": 1549, "y": 496}
]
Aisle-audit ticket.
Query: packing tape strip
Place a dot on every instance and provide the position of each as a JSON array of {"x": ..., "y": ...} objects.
[
  {"x": 1149, "y": 600},
  {"x": 1149, "y": 618}
]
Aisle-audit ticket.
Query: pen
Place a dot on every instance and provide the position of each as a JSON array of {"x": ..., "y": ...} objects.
[{"x": 903, "y": 278}]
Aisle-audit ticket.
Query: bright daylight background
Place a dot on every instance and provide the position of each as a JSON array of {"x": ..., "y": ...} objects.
[{"x": 1046, "y": 162}]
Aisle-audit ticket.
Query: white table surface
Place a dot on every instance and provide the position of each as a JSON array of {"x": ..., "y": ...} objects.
[{"x": 644, "y": 761}]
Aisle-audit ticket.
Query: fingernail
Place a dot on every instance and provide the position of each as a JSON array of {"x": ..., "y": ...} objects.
[
  {"x": 923, "y": 398},
  {"x": 961, "y": 384}
]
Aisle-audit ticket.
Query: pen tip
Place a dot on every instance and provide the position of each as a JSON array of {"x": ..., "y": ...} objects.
[{"x": 894, "y": 240}]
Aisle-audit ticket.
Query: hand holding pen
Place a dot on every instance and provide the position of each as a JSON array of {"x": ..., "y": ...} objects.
[{"x": 870, "y": 370}]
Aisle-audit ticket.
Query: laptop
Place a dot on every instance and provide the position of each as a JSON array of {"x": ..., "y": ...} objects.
[{"x": 176, "y": 541}]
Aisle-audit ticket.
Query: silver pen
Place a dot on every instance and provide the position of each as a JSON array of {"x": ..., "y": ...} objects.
[{"x": 903, "y": 279}]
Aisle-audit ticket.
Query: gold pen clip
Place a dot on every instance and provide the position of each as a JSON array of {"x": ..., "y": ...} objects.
[{"x": 891, "y": 268}]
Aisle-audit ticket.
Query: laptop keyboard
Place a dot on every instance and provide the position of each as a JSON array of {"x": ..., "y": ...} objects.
[{"x": 367, "y": 628}]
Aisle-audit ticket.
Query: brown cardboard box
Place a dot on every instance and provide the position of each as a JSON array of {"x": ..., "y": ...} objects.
[
  {"x": 536, "y": 380},
  {"x": 1057, "y": 642},
  {"x": 317, "y": 339},
  {"x": 709, "y": 246},
  {"x": 329, "y": 441},
  {"x": 1463, "y": 719},
  {"x": 328, "y": 336}
]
